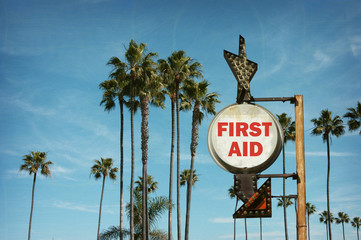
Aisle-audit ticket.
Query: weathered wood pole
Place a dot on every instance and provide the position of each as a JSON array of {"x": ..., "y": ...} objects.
[{"x": 300, "y": 166}]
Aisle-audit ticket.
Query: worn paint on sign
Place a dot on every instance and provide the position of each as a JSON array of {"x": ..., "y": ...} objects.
[{"x": 244, "y": 138}]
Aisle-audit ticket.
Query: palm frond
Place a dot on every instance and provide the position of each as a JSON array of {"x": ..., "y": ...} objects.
[{"x": 113, "y": 232}]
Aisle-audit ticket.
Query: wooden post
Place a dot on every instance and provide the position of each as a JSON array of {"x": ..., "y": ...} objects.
[{"x": 300, "y": 166}]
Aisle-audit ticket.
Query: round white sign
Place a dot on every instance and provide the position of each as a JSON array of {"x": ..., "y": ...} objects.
[{"x": 244, "y": 138}]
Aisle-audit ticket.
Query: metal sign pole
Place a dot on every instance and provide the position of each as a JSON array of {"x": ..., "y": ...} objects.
[{"x": 300, "y": 165}]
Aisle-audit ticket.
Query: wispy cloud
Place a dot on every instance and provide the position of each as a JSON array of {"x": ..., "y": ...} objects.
[
  {"x": 324, "y": 154},
  {"x": 11, "y": 152},
  {"x": 271, "y": 235},
  {"x": 74, "y": 206},
  {"x": 110, "y": 209},
  {"x": 221, "y": 220},
  {"x": 279, "y": 65},
  {"x": 347, "y": 194},
  {"x": 59, "y": 171},
  {"x": 15, "y": 173},
  {"x": 228, "y": 236},
  {"x": 26, "y": 106},
  {"x": 355, "y": 45},
  {"x": 320, "y": 60}
]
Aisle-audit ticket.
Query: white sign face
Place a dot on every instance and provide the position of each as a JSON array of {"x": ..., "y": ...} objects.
[{"x": 244, "y": 138}]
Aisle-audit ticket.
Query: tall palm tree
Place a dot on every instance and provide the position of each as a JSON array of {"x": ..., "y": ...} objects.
[
  {"x": 157, "y": 206},
  {"x": 356, "y": 222},
  {"x": 326, "y": 218},
  {"x": 196, "y": 95},
  {"x": 310, "y": 209},
  {"x": 354, "y": 117},
  {"x": 103, "y": 168},
  {"x": 33, "y": 162},
  {"x": 326, "y": 125},
  {"x": 166, "y": 73},
  {"x": 149, "y": 89},
  {"x": 181, "y": 67},
  {"x": 134, "y": 56},
  {"x": 115, "y": 90},
  {"x": 342, "y": 218},
  {"x": 288, "y": 127}
]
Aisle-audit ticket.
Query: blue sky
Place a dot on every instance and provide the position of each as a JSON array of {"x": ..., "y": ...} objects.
[{"x": 53, "y": 56}]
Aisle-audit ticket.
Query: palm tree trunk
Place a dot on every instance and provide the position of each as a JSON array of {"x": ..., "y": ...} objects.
[
  {"x": 144, "y": 146},
  {"x": 194, "y": 144},
  {"x": 284, "y": 192},
  {"x": 296, "y": 219},
  {"x": 358, "y": 236},
  {"x": 327, "y": 230},
  {"x": 100, "y": 207},
  {"x": 260, "y": 226},
  {"x": 171, "y": 174},
  {"x": 32, "y": 205},
  {"x": 132, "y": 171},
  {"x": 343, "y": 230},
  {"x": 121, "y": 168},
  {"x": 144, "y": 203},
  {"x": 178, "y": 164},
  {"x": 308, "y": 226},
  {"x": 234, "y": 221},
  {"x": 245, "y": 228},
  {"x": 328, "y": 189}
]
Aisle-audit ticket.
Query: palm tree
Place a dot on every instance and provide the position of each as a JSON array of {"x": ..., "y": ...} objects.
[
  {"x": 326, "y": 125},
  {"x": 195, "y": 94},
  {"x": 181, "y": 67},
  {"x": 310, "y": 209},
  {"x": 33, "y": 162},
  {"x": 342, "y": 218},
  {"x": 157, "y": 206},
  {"x": 356, "y": 222},
  {"x": 152, "y": 185},
  {"x": 169, "y": 89},
  {"x": 103, "y": 168},
  {"x": 149, "y": 90},
  {"x": 354, "y": 118},
  {"x": 327, "y": 219},
  {"x": 134, "y": 56},
  {"x": 285, "y": 201},
  {"x": 114, "y": 90},
  {"x": 288, "y": 127},
  {"x": 185, "y": 176}
]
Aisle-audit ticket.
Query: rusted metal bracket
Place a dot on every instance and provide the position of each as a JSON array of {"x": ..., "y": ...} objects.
[
  {"x": 287, "y": 196},
  {"x": 293, "y": 175},
  {"x": 274, "y": 99}
]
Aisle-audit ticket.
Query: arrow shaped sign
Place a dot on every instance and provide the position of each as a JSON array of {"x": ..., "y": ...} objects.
[
  {"x": 259, "y": 205},
  {"x": 242, "y": 69}
]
